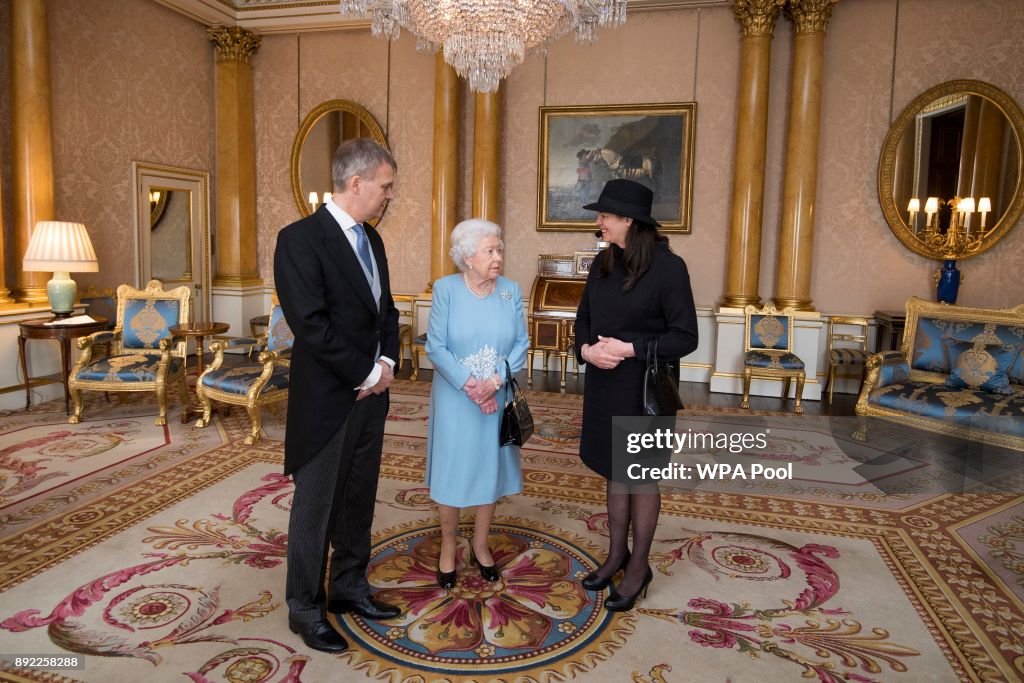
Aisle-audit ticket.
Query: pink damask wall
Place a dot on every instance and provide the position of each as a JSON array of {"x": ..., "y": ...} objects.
[
  {"x": 134, "y": 80},
  {"x": 131, "y": 81}
]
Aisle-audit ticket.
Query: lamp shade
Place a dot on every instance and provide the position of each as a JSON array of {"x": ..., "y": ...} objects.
[{"x": 60, "y": 247}]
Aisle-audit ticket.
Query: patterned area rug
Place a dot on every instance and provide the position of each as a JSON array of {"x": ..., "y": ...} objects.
[{"x": 158, "y": 554}]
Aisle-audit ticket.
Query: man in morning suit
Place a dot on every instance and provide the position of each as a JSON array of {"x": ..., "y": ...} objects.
[{"x": 331, "y": 275}]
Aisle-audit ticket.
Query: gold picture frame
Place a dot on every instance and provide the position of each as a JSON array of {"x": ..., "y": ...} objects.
[
  {"x": 582, "y": 261},
  {"x": 582, "y": 147}
]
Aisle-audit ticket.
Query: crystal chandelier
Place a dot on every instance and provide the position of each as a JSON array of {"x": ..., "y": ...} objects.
[{"x": 485, "y": 39}]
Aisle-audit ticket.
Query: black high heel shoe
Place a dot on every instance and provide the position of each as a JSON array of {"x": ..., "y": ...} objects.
[
  {"x": 623, "y": 603},
  {"x": 488, "y": 572},
  {"x": 445, "y": 580},
  {"x": 595, "y": 582}
]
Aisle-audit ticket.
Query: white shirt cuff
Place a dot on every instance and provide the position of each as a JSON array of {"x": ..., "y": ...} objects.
[{"x": 374, "y": 375}]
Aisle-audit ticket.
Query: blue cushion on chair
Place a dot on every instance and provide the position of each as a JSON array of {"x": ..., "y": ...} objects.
[
  {"x": 238, "y": 379},
  {"x": 127, "y": 367},
  {"x": 279, "y": 335},
  {"x": 979, "y": 366},
  {"x": 769, "y": 332},
  {"x": 772, "y": 359},
  {"x": 146, "y": 322}
]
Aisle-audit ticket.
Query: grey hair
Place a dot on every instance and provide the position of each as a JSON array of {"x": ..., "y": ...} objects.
[
  {"x": 466, "y": 238},
  {"x": 358, "y": 157}
]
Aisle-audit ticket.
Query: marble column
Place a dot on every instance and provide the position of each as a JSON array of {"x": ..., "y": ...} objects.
[
  {"x": 445, "y": 188},
  {"x": 236, "y": 158},
  {"x": 485, "y": 155},
  {"x": 796, "y": 238},
  {"x": 31, "y": 139},
  {"x": 757, "y": 22}
]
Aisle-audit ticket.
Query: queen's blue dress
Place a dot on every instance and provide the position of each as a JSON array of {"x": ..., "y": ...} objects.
[{"x": 467, "y": 336}]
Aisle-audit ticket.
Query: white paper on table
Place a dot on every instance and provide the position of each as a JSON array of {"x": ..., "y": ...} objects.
[{"x": 73, "y": 320}]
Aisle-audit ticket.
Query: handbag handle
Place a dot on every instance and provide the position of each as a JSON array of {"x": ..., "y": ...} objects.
[{"x": 655, "y": 342}]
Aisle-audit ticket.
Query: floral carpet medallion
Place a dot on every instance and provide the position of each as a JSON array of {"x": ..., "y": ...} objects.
[{"x": 535, "y": 618}]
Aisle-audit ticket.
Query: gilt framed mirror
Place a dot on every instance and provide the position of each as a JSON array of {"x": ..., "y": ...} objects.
[
  {"x": 324, "y": 128},
  {"x": 953, "y": 158}
]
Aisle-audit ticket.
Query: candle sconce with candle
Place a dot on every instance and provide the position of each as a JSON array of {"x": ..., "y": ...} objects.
[{"x": 971, "y": 190}]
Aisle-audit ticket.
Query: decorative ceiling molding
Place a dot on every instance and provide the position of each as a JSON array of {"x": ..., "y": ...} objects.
[{"x": 290, "y": 16}]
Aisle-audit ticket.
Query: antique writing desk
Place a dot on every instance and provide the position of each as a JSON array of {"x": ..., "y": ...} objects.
[{"x": 554, "y": 298}]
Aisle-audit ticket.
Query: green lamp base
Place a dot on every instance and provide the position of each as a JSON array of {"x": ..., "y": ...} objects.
[{"x": 62, "y": 293}]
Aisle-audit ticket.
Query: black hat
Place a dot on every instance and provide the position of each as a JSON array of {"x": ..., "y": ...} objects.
[{"x": 626, "y": 198}]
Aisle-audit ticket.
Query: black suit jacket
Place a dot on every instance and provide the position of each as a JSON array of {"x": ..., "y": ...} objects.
[{"x": 337, "y": 325}]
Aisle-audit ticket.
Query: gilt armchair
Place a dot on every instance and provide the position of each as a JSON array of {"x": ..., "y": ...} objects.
[
  {"x": 143, "y": 355},
  {"x": 250, "y": 384}
]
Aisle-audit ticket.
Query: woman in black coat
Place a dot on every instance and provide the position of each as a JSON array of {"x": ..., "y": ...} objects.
[{"x": 638, "y": 293}]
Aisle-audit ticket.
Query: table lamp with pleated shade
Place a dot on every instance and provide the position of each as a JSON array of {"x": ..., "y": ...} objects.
[{"x": 61, "y": 248}]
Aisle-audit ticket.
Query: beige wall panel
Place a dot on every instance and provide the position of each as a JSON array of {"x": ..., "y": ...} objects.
[
  {"x": 120, "y": 94},
  {"x": 852, "y": 242},
  {"x": 985, "y": 46},
  {"x": 275, "y": 79},
  {"x": 406, "y": 226},
  {"x": 718, "y": 71},
  {"x": 775, "y": 153}
]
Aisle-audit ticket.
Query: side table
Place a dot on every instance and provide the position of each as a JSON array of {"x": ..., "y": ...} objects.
[
  {"x": 890, "y": 330},
  {"x": 49, "y": 328},
  {"x": 200, "y": 331}
]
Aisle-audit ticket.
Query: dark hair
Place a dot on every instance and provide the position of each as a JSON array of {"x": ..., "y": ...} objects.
[{"x": 636, "y": 257}]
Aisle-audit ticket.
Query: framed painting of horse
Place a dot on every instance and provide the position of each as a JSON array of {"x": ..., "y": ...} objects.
[{"x": 582, "y": 147}]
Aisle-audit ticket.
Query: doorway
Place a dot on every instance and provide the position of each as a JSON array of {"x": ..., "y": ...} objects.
[{"x": 172, "y": 221}]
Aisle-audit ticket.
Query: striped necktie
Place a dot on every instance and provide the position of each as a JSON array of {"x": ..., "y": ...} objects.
[{"x": 363, "y": 248}]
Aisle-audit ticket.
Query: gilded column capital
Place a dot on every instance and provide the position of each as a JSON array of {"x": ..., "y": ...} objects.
[
  {"x": 810, "y": 16},
  {"x": 757, "y": 17},
  {"x": 233, "y": 44}
]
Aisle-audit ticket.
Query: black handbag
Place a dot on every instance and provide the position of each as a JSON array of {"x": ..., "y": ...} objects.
[
  {"x": 661, "y": 386},
  {"x": 516, "y": 420}
]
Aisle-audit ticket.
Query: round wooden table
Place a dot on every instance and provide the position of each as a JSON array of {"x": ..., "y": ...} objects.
[
  {"x": 51, "y": 328},
  {"x": 200, "y": 331}
]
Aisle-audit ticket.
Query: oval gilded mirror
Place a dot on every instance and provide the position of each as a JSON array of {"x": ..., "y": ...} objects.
[
  {"x": 324, "y": 128},
  {"x": 949, "y": 176}
]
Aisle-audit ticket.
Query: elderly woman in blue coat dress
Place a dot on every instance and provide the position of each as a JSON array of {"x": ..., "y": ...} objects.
[{"x": 476, "y": 326}]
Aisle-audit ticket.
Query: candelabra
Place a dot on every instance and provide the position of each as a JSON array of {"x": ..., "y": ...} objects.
[{"x": 956, "y": 242}]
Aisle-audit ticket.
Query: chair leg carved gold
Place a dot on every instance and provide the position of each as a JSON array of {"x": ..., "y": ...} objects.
[{"x": 745, "y": 403}]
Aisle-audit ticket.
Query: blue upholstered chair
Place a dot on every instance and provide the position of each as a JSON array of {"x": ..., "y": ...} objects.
[
  {"x": 143, "y": 354},
  {"x": 251, "y": 384},
  {"x": 847, "y": 349},
  {"x": 768, "y": 351}
]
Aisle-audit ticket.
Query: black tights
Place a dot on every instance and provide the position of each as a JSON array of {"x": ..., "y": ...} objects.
[{"x": 636, "y": 506}]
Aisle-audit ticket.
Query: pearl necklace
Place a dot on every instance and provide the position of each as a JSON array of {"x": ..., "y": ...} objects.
[{"x": 488, "y": 287}]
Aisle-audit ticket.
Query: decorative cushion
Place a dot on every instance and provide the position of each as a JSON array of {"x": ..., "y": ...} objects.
[
  {"x": 769, "y": 332},
  {"x": 893, "y": 373},
  {"x": 979, "y": 366},
  {"x": 146, "y": 322},
  {"x": 773, "y": 360},
  {"x": 127, "y": 367},
  {"x": 238, "y": 379},
  {"x": 848, "y": 356}
]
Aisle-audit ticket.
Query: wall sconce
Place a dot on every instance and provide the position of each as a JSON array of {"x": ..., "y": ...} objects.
[{"x": 61, "y": 248}]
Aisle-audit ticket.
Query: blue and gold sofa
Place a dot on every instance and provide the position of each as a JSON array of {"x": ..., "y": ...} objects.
[{"x": 960, "y": 372}]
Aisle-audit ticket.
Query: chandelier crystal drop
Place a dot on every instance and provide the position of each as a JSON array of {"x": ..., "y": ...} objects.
[{"x": 485, "y": 39}]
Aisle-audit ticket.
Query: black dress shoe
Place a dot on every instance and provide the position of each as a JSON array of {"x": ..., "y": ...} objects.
[
  {"x": 319, "y": 635},
  {"x": 595, "y": 582},
  {"x": 366, "y": 607},
  {"x": 488, "y": 572}
]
